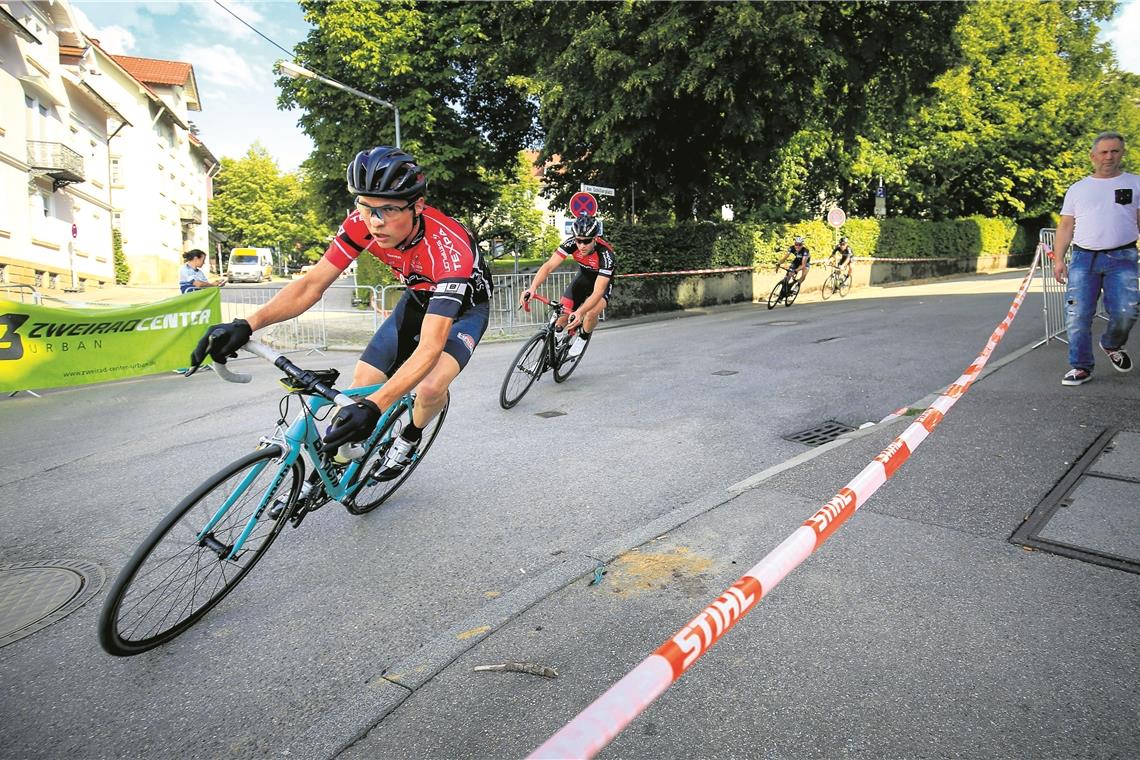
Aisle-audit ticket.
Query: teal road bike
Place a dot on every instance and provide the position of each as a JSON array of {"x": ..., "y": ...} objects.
[
  {"x": 785, "y": 290},
  {"x": 213, "y": 538}
]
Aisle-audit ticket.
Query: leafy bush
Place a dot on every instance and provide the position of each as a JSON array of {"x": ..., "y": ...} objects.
[{"x": 122, "y": 268}]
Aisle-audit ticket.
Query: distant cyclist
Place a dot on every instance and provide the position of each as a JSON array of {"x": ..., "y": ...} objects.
[
  {"x": 429, "y": 337},
  {"x": 801, "y": 259},
  {"x": 841, "y": 256},
  {"x": 587, "y": 296}
]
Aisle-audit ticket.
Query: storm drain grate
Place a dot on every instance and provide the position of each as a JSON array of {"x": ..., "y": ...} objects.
[
  {"x": 779, "y": 323},
  {"x": 33, "y": 595},
  {"x": 817, "y": 436},
  {"x": 1091, "y": 515},
  {"x": 549, "y": 414},
  {"x": 828, "y": 340},
  {"x": 726, "y": 372}
]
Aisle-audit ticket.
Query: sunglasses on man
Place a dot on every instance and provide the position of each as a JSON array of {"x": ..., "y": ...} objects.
[
  {"x": 387, "y": 212},
  {"x": 583, "y": 241}
]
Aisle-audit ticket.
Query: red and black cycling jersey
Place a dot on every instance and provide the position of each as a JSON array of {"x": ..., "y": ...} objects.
[
  {"x": 802, "y": 256},
  {"x": 444, "y": 271},
  {"x": 599, "y": 261}
]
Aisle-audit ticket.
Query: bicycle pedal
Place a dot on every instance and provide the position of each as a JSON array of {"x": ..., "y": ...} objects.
[{"x": 277, "y": 508}]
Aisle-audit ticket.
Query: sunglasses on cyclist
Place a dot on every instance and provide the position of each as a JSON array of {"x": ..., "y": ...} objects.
[
  {"x": 583, "y": 241},
  {"x": 387, "y": 213}
]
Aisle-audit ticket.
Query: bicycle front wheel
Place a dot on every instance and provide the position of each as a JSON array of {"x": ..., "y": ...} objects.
[
  {"x": 372, "y": 492},
  {"x": 179, "y": 573},
  {"x": 845, "y": 285},
  {"x": 828, "y": 288},
  {"x": 529, "y": 364},
  {"x": 567, "y": 365},
  {"x": 793, "y": 291},
  {"x": 776, "y": 294}
]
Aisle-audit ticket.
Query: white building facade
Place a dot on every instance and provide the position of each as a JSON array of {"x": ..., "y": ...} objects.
[{"x": 86, "y": 147}]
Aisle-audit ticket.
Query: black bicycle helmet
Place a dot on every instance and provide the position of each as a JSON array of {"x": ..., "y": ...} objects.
[
  {"x": 586, "y": 226},
  {"x": 385, "y": 172}
]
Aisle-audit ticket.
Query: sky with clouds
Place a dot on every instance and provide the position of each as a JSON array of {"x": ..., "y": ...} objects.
[{"x": 234, "y": 65}]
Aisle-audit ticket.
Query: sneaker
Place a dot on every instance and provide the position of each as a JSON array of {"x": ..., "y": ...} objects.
[
  {"x": 577, "y": 346},
  {"x": 1120, "y": 359},
  {"x": 399, "y": 456},
  {"x": 1076, "y": 377}
]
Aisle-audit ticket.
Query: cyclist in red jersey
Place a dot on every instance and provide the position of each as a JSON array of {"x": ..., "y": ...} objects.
[
  {"x": 429, "y": 337},
  {"x": 586, "y": 297}
]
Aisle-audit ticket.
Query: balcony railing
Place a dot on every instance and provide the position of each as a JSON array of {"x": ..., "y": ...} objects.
[
  {"x": 190, "y": 214},
  {"x": 56, "y": 160}
]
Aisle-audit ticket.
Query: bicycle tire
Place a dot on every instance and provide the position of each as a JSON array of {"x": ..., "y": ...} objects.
[
  {"x": 372, "y": 493},
  {"x": 528, "y": 365},
  {"x": 776, "y": 295},
  {"x": 133, "y": 619},
  {"x": 828, "y": 287},
  {"x": 565, "y": 367},
  {"x": 845, "y": 286},
  {"x": 793, "y": 291}
]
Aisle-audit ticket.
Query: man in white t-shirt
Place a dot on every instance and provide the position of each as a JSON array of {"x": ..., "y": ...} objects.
[{"x": 1101, "y": 218}]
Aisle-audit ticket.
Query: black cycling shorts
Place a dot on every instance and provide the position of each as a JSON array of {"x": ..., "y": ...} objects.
[
  {"x": 398, "y": 335},
  {"x": 581, "y": 288}
]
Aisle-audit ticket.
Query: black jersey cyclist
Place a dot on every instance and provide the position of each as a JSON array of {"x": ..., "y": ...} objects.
[
  {"x": 428, "y": 338},
  {"x": 801, "y": 259},
  {"x": 842, "y": 256},
  {"x": 587, "y": 296}
]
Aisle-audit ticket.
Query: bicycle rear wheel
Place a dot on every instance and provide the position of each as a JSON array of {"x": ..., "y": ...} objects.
[
  {"x": 828, "y": 287},
  {"x": 776, "y": 294},
  {"x": 528, "y": 366},
  {"x": 175, "y": 576},
  {"x": 372, "y": 493},
  {"x": 793, "y": 291},
  {"x": 845, "y": 285},
  {"x": 566, "y": 366}
]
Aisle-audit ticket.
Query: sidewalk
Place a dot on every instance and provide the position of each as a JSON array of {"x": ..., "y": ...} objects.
[{"x": 918, "y": 630}]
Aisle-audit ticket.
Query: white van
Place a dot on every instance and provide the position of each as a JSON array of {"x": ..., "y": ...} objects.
[{"x": 250, "y": 264}]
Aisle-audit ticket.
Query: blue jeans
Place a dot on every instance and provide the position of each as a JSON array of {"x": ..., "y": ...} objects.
[{"x": 1090, "y": 272}]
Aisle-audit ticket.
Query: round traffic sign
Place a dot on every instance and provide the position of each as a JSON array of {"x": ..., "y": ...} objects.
[
  {"x": 583, "y": 203},
  {"x": 836, "y": 217}
]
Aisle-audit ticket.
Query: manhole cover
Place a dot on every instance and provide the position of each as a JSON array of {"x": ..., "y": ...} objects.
[
  {"x": 1091, "y": 514},
  {"x": 779, "y": 323},
  {"x": 33, "y": 595},
  {"x": 828, "y": 340},
  {"x": 550, "y": 414},
  {"x": 817, "y": 436},
  {"x": 726, "y": 372}
]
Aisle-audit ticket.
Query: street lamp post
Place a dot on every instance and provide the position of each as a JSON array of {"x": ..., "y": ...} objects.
[{"x": 293, "y": 71}]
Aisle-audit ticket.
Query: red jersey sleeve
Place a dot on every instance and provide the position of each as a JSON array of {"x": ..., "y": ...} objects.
[{"x": 351, "y": 238}]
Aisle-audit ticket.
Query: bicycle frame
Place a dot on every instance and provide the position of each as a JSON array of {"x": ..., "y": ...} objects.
[
  {"x": 550, "y": 331},
  {"x": 301, "y": 437}
]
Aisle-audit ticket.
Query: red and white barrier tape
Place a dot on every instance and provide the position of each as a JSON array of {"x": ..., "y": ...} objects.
[
  {"x": 593, "y": 728},
  {"x": 687, "y": 271}
]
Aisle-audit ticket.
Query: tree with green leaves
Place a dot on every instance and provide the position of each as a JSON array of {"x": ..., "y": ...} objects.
[
  {"x": 256, "y": 206},
  {"x": 514, "y": 219},
  {"x": 690, "y": 103},
  {"x": 1007, "y": 126},
  {"x": 460, "y": 116}
]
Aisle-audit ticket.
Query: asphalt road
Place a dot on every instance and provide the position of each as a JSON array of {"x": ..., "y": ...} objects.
[{"x": 659, "y": 414}]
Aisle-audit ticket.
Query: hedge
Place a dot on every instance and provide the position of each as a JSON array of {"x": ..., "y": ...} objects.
[
  {"x": 700, "y": 245},
  {"x": 662, "y": 247}
]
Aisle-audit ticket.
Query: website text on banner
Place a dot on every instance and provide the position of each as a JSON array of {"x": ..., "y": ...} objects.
[
  {"x": 593, "y": 728},
  {"x": 45, "y": 347}
]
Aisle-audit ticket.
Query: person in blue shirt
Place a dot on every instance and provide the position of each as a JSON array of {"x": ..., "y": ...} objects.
[{"x": 191, "y": 276}]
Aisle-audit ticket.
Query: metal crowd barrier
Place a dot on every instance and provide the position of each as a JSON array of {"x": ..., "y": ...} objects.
[
  {"x": 1053, "y": 292},
  {"x": 347, "y": 316},
  {"x": 20, "y": 292}
]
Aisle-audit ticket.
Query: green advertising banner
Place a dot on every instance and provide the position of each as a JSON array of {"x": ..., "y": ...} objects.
[{"x": 49, "y": 347}]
